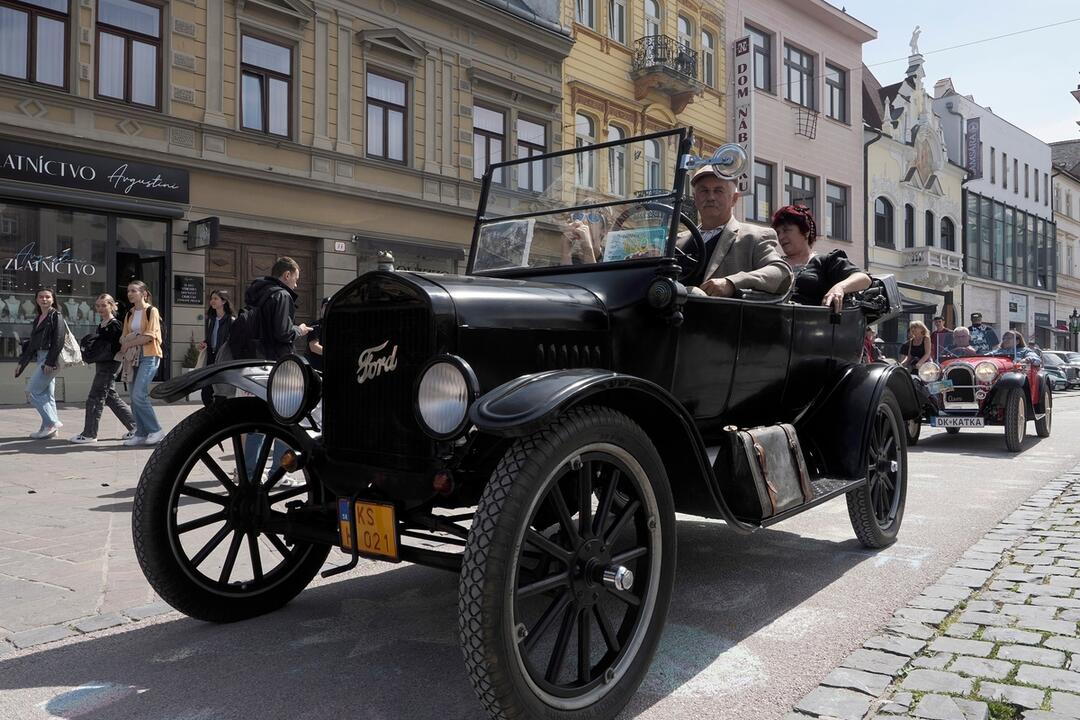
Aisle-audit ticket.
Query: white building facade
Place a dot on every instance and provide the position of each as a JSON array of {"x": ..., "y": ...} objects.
[
  {"x": 807, "y": 116},
  {"x": 1065, "y": 181},
  {"x": 1010, "y": 245}
]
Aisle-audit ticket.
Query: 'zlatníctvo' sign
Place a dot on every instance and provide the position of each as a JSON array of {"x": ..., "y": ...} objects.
[{"x": 116, "y": 176}]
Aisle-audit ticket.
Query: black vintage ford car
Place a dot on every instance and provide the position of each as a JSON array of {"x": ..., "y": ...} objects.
[{"x": 533, "y": 425}]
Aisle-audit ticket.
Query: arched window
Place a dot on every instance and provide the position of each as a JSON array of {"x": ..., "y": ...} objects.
[
  {"x": 930, "y": 227},
  {"x": 616, "y": 162},
  {"x": 708, "y": 58},
  {"x": 654, "y": 158},
  {"x": 585, "y": 134},
  {"x": 685, "y": 28},
  {"x": 948, "y": 234},
  {"x": 883, "y": 223},
  {"x": 909, "y": 226},
  {"x": 652, "y": 18}
]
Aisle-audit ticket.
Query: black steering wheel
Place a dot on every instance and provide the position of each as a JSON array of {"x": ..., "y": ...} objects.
[{"x": 691, "y": 259}]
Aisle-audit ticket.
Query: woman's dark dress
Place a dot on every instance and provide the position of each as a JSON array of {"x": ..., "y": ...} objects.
[
  {"x": 819, "y": 275},
  {"x": 914, "y": 354}
]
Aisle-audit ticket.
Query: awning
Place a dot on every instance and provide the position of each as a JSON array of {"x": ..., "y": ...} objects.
[
  {"x": 1055, "y": 330},
  {"x": 917, "y": 307}
]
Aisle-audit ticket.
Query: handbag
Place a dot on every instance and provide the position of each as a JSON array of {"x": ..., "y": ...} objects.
[
  {"x": 767, "y": 470},
  {"x": 70, "y": 354},
  {"x": 201, "y": 362}
]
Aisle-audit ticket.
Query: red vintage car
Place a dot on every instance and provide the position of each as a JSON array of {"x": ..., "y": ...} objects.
[{"x": 993, "y": 389}]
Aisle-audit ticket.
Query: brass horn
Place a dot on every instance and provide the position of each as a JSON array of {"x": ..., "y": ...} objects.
[{"x": 730, "y": 160}]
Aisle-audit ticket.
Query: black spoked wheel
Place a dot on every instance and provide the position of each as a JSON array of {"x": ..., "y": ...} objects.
[
  {"x": 877, "y": 508},
  {"x": 1015, "y": 419},
  {"x": 1043, "y": 424},
  {"x": 568, "y": 572},
  {"x": 209, "y": 514}
]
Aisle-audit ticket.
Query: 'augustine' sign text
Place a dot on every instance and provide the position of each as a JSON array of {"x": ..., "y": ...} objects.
[{"x": 52, "y": 166}]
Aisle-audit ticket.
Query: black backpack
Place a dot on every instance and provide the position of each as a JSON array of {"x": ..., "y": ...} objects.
[{"x": 245, "y": 333}]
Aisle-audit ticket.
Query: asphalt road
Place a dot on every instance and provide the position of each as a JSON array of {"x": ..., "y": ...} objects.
[{"x": 756, "y": 621}]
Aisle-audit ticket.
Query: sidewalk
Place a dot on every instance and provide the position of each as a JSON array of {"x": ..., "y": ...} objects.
[
  {"x": 67, "y": 563},
  {"x": 996, "y": 637}
]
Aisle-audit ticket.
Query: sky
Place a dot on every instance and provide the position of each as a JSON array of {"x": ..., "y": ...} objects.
[{"x": 1025, "y": 78}]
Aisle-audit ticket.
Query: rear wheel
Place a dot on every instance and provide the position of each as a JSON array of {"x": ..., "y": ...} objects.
[
  {"x": 206, "y": 523},
  {"x": 952, "y": 430},
  {"x": 877, "y": 508},
  {"x": 1015, "y": 419},
  {"x": 1042, "y": 425},
  {"x": 568, "y": 570}
]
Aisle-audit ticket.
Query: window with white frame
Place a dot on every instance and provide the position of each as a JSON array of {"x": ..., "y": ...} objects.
[
  {"x": 129, "y": 52},
  {"x": 652, "y": 18},
  {"x": 759, "y": 201},
  {"x": 531, "y": 141},
  {"x": 762, "y": 42},
  {"x": 836, "y": 92},
  {"x": 489, "y": 139},
  {"x": 585, "y": 134},
  {"x": 708, "y": 58},
  {"x": 686, "y": 32},
  {"x": 836, "y": 196},
  {"x": 33, "y": 41},
  {"x": 617, "y": 167},
  {"x": 654, "y": 159},
  {"x": 616, "y": 16},
  {"x": 387, "y": 110},
  {"x": 800, "y": 189},
  {"x": 799, "y": 76},
  {"x": 585, "y": 12},
  {"x": 265, "y": 86}
]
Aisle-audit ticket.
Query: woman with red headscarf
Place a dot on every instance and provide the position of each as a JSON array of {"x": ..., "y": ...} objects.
[{"x": 819, "y": 279}]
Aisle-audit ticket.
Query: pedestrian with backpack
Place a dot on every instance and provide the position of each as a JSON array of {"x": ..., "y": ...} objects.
[
  {"x": 140, "y": 351},
  {"x": 100, "y": 348},
  {"x": 265, "y": 329}
]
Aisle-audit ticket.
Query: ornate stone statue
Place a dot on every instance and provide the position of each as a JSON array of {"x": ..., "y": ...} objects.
[{"x": 915, "y": 40}]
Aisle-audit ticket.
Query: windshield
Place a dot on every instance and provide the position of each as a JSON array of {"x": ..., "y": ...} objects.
[
  {"x": 1052, "y": 360},
  {"x": 605, "y": 203},
  {"x": 1072, "y": 357}
]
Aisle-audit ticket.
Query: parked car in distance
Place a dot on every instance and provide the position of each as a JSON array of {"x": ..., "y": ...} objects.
[
  {"x": 1059, "y": 359},
  {"x": 1056, "y": 376}
]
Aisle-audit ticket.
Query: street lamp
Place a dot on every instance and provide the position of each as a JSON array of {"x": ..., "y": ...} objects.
[{"x": 1074, "y": 328}]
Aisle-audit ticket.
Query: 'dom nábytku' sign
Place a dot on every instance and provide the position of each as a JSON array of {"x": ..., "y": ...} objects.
[{"x": 116, "y": 176}]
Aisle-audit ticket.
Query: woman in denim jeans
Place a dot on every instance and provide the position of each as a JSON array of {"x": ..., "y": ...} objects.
[
  {"x": 43, "y": 349},
  {"x": 102, "y": 392},
  {"x": 142, "y": 337}
]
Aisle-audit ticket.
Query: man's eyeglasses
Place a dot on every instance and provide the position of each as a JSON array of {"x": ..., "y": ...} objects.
[{"x": 593, "y": 217}]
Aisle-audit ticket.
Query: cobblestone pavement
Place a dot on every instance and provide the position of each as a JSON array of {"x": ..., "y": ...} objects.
[{"x": 994, "y": 638}]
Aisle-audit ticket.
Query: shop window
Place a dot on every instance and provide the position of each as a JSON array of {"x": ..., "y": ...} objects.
[
  {"x": 489, "y": 138},
  {"x": 616, "y": 17},
  {"x": 33, "y": 41},
  {"x": 837, "y": 198},
  {"x": 800, "y": 189},
  {"x": 759, "y": 201},
  {"x": 129, "y": 52},
  {"x": 616, "y": 162},
  {"x": 836, "y": 89},
  {"x": 763, "y": 75},
  {"x": 531, "y": 141},
  {"x": 265, "y": 87},
  {"x": 708, "y": 58},
  {"x": 387, "y": 110},
  {"x": 62, "y": 249},
  {"x": 799, "y": 76},
  {"x": 585, "y": 134},
  {"x": 883, "y": 223}
]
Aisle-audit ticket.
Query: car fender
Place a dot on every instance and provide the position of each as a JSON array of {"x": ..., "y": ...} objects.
[
  {"x": 836, "y": 429},
  {"x": 995, "y": 399},
  {"x": 247, "y": 375},
  {"x": 527, "y": 404}
]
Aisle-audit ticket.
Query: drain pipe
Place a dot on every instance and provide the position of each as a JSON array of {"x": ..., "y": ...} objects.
[{"x": 866, "y": 196}]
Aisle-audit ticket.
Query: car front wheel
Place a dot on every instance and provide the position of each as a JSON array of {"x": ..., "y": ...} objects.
[
  {"x": 568, "y": 570},
  {"x": 206, "y": 522},
  {"x": 1015, "y": 419},
  {"x": 876, "y": 509},
  {"x": 1042, "y": 424}
]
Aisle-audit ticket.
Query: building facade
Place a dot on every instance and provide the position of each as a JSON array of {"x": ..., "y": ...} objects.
[
  {"x": 641, "y": 66},
  {"x": 326, "y": 131},
  {"x": 1065, "y": 181},
  {"x": 1010, "y": 247},
  {"x": 807, "y": 114},
  {"x": 914, "y": 194}
]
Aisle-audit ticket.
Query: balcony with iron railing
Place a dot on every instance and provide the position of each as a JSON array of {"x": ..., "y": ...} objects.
[{"x": 663, "y": 64}]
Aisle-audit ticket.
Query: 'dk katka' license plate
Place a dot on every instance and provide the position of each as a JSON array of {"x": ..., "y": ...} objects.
[
  {"x": 956, "y": 422},
  {"x": 376, "y": 529}
]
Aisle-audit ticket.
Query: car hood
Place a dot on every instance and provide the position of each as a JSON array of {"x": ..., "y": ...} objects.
[{"x": 1004, "y": 364}]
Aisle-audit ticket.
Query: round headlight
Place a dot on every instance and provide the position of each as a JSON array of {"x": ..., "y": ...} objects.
[
  {"x": 292, "y": 389},
  {"x": 986, "y": 372},
  {"x": 930, "y": 372},
  {"x": 446, "y": 389}
]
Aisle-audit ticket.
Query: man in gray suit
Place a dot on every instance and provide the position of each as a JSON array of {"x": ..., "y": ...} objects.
[{"x": 740, "y": 257}]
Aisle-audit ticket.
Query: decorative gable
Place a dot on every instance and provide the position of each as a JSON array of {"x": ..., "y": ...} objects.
[{"x": 394, "y": 43}]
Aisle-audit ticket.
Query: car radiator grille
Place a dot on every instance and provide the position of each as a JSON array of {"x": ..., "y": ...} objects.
[
  {"x": 373, "y": 421},
  {"x": 963, "y": 381}
]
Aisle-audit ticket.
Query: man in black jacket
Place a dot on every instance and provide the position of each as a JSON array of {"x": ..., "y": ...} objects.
[{"x": 275, "y": 297}]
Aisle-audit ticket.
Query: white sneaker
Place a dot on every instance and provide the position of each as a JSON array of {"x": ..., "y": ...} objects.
[
  {"x": 135, "y": 440},
  {"x": 154, "y": 438},
  {"x": 38, "y": 434},
  {"x": 46, "y": 432},
  {"x": 292, "y": 480},
  {"x": 128, "y": 435},
  {"x": 81, "y": 439}
]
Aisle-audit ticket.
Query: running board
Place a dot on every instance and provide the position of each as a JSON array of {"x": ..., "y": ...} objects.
[{"x": 825, "y": 489}]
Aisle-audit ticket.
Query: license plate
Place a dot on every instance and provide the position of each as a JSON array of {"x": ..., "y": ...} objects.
[
  {"x": 956, "y": 422},
  {"x": 376, "y": 529},
  {"x": 936, "y": 387}
]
